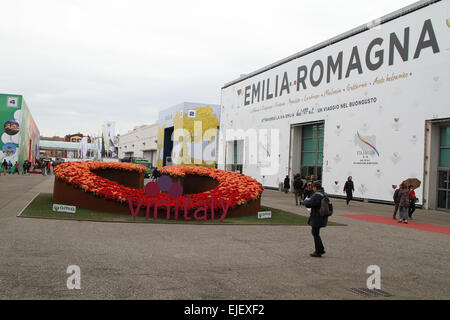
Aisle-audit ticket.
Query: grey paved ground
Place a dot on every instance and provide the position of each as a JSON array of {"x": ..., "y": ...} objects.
[{"x": 146, "y": 261}]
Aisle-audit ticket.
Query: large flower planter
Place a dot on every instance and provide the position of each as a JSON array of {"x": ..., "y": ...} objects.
[{"x": 112, "y": 187}]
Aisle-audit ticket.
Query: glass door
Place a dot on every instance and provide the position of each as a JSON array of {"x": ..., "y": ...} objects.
[
  {"x": 444, "y": 170},
  {"x": 444, "y": 189},
  {"x": 312, "y": 151}
]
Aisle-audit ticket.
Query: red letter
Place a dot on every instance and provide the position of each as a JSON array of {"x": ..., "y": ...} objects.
[
  {"x": 176, "y": 209},
  {"x": 186, "y": 204},
  {"x": 204, "y": 209},
  {"x": 212, "y": 207},
  {"x": 138, "y": 208},
  {"x": 224, "y": 210},
  {"x": 155, "y": 213}
]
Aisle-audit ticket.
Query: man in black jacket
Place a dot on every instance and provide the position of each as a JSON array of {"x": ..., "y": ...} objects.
[
  {"x": 298, "y": 189},
  {"x": 316, "y": 221},
  {"x": 286, "y": 184},
  {"x": 396, "y": 202},
  {"x": 348, "y": 189}
]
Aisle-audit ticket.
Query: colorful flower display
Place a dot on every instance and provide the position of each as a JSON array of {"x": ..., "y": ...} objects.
[{"x": 234, "y": 188}]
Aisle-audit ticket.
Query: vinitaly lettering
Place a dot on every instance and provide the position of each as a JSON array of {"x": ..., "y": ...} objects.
[
  {"x": 182, "y": 205},
  {"x": 333, "y": 66}
]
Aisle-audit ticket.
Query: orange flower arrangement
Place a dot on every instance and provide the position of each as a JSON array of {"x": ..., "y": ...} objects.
[{"x": 233, "y": 187}]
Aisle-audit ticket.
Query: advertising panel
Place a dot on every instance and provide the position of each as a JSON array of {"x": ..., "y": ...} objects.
[
  {"x": 187, "y": 134},
  {"x": 10, "y": 119},
  {"x": 19, "y": 133},
  {"x": 29, "y": 136}
]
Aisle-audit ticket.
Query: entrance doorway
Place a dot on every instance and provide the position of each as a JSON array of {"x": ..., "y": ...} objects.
[
  {"x": 312, "y": 151},
  {"x": 306, "y": 150},
  {"x": 168, "y": 146}
]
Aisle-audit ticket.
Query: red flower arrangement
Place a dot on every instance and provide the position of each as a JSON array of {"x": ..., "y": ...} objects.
[{"x": 234, "y": 188}]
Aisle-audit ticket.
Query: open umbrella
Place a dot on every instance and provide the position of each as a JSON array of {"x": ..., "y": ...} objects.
[{"x": 412, "y": 182}]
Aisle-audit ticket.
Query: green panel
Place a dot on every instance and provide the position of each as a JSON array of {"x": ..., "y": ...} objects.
[
  {"x": 320, "y": 144},
  {"x": 320, "y": 130},
  {"x": 442, "y": 180},
  {"x": 448, "y": 200},
  {"x": 320, "y": 158},
  {"x": 235, "y": 152},
  {"x": 309, "y": 145},
  {"x": 444, "y": 159},
  {"x": 445, "y": 137},
  {"x": 442, "y": 199},
  {"x": 307, "y": 131},
  {"x": 308, "y": 158},
  {"x": 304, "y": 171}
]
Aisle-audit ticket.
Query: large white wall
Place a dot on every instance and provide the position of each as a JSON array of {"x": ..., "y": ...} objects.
[
  {"x": 138, "y": 140},
  {"x": 394, "y": 121}
]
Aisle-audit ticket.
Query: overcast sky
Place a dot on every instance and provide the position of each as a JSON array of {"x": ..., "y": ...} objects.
[{"x": 80, "y": 63}]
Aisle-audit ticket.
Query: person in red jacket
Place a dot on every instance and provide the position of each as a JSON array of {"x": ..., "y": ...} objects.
[{"x": 412, "y": 201}]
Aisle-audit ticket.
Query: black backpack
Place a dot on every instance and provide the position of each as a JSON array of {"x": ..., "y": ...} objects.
[
  {"x": 298, "y": 184},
  {"x": 326, "y": 207}
]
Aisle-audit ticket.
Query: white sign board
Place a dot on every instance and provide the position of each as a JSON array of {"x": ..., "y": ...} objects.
[
  {"x": 265, "y": 215},
  {"x": 64, "y": 208},
  {"x": 373, "y": 91}
]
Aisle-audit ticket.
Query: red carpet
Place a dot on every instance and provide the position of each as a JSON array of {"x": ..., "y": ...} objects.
[{"x": 411, "y": 224}]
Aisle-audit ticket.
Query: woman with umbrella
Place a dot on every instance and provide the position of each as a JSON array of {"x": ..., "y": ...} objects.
[
  {"x": 412, "y": 201},
  {"x": 412, "y": 183}
]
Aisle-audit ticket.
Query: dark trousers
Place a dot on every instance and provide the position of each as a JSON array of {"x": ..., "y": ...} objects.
[
  {"x": 349, "y": 196},
  {"x": 412, "y": 207},
  {"x": 317, "y": 240},
  {"x": 396, "y": 209},
  {"x": 298, "y": 196}
]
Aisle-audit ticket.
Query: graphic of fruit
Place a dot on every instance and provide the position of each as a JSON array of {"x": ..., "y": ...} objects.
[
  {"x": 448, "y": 23},
  {"x": 11, "y": 127}
]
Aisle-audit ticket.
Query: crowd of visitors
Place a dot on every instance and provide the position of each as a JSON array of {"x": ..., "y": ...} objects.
[
  {"x": 8, "y": 167},
  {"x": 309, "y": 192}
]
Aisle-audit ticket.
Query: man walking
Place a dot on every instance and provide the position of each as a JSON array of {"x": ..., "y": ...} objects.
[
  {"x": 348, "y": 189},
  {"x": 298, "y": 184},
  {"x": 316, "y": 221},
  {"x": 286, "y": 184},
  {"x": 5, "y": 166},
  {"x": 49, "y": 168},
  {"x": 396, "y": 202}
]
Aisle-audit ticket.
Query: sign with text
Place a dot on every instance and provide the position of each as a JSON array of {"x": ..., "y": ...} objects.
[
  {"x": 64, "y": 208},
  {"x": 264, "y": 214}
]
